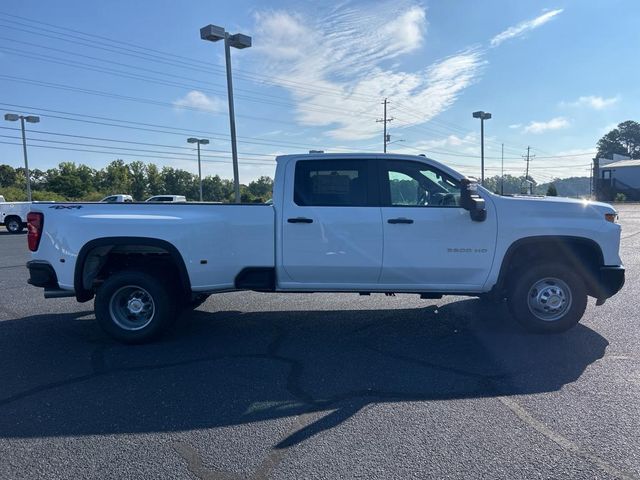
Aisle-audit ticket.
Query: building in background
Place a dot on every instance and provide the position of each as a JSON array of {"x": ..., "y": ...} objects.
[{"x": 620, "y": 174}]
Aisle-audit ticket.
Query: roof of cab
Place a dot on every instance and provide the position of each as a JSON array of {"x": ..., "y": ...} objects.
[{"x": 368, "y": 155}]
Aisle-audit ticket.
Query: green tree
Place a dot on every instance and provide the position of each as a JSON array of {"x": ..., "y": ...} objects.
[
  {"x": 179, "y": 182},
  {"x": 623, "y": 140},
  {"x": 620, "y": 197},
  {"x": 551, "y": 191},
  {"x": 214, "y": 189},
  {"x": 117, "y": 178},
  {"x": 155, "y": 182},
  {"x": 262, "y": 188},
  {"x": 8, "y": 176},
  {"x": 70, "y": 180},
  {"x": 139, "y": 183},
  {"x": 512, "y": 185}
]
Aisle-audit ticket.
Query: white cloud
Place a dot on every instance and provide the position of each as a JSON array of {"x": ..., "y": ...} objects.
[
  {"x": 515, "y": 126},
  {"x": 541, "y": 127},
  {"x": 592, "y": 101},
  {"x": 199, "y": 101},
  {"x": 337, "y": 67},
  {"x": 524, "y": 27}
]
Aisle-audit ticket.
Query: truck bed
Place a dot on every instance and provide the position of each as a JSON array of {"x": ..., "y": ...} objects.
[{"x": 216, "y": 241}]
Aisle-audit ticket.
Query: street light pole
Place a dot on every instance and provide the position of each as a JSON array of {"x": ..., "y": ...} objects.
[
  {"x": 199, "y": 141},
  {"x": 232, "y": 118},
  {"x": 12, "y": 117},
  {"x": 26, "y": 160},
  {"x": 214, "y": 33},
  {"x": 482, "y": 116}
]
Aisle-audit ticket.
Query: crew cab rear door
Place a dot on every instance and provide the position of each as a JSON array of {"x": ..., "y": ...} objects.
[
  {"x": 331, "y": 225},
  {"x": 430, "y": 242}
]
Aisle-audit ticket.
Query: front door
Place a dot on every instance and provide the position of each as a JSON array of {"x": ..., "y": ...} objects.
[
  {"x": 331, "y": 226},
  {"x": 430, "y": 242}
]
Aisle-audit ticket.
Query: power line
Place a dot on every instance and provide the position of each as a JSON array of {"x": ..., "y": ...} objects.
[
  {"x": 245, "y": 162},
  {"x": 253, "y": 97},
  {"x": 41, "y": 132},
  {"x": 157, "y": 128},
  {"x": 195, "y": 65}
]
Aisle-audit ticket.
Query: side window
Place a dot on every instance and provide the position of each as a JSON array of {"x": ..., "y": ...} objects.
[
  {"x": 419, "y": 185},
  {"x": 331, "y": 183}
]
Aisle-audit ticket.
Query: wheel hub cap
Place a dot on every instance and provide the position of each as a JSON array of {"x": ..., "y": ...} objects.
[
  {"x": 135, "y": 306},
  {"x": 132, "y": 307},
  {"x": 549, "y": 299}
]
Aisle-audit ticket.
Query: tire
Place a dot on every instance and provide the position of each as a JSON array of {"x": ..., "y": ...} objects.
[
  {"x": 13, "y": 224},
  {"x": 547, "y": 298},
  {"x": 134, "y": 306}
]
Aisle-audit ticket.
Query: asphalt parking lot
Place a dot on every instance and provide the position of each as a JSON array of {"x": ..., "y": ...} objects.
[{"x": 256, "y": 386}]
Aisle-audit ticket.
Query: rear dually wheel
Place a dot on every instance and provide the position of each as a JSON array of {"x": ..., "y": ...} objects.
[{"x": 134, "y": 307}]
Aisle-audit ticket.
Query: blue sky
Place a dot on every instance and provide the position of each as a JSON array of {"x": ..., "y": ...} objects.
[{"x": 555, "y": 75}]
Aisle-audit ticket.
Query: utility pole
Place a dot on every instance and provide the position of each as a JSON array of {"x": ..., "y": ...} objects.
[
  {"x": 528, "y": 158},
  {"x": 385, "y": 120},
  {"x": 502, "y": 173}
]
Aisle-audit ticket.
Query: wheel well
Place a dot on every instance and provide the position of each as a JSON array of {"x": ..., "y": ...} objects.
[
  {"x": 101, "y": 258},
  {"x": 582, "y": 255}
]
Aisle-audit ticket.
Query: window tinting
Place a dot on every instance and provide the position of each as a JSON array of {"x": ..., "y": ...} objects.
[{"x": 335, "y": 183}]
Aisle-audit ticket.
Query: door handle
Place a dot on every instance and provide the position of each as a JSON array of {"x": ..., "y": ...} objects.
[
  {"x": 399, "y": 220},
  {"x": 300, "y": 220}
]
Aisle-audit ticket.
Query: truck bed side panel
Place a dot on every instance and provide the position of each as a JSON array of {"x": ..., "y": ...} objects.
[{"x": 215, "y": 241}]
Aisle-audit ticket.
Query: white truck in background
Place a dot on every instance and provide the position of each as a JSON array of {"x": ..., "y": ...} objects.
[
  {"x": 13, "y": 215},
  {"x": 361, "y": 223}
]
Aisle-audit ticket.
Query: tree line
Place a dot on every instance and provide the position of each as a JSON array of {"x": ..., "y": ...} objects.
[{"x": 72, "y": 182}]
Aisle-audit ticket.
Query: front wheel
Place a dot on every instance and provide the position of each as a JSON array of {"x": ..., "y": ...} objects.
[
  {"x": 547, "y": 298},
  {"x": 134, "y": 307}
]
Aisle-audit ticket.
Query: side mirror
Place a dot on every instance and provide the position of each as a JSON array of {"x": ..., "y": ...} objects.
[{"x": 471, "y": 201}]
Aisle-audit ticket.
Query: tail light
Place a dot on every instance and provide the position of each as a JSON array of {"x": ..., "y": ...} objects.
[{"x": 35, "y": 222}]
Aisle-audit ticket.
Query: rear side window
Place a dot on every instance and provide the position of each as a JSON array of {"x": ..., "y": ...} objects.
[{"x": 331, "y": 183}]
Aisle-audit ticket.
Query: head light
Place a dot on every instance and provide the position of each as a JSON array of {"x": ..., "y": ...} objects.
[{"x": 611, "y": 217}]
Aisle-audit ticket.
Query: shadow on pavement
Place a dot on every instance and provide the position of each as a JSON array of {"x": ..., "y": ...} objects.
[{"x": 60, "y": 376}]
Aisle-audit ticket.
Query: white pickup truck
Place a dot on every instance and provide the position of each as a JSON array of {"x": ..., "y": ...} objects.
[
  {"x": 13, "y": 215},
  {"x": 338, "y": 223}
]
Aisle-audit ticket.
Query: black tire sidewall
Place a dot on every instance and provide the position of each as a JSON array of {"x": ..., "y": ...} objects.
[
  {"x": 518, "y": 298},
  {"x": 164, "y": 308}
]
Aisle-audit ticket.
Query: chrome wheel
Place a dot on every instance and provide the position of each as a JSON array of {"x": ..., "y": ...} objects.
[
  {"x": 132, "y": 308},
  {"x": 549, "y": 299}
]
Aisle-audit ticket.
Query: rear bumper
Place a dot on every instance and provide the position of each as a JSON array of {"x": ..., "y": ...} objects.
[
  {"x": 42, "y": 274},
  {"x": 610, "y": 281}
]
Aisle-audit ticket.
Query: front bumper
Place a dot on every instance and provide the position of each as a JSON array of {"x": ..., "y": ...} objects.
[{"x": 610, "y": 281}]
